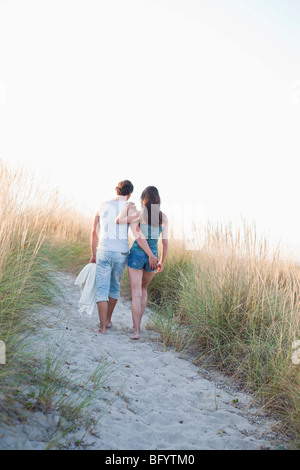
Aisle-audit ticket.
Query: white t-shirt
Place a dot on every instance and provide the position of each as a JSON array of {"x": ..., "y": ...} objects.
[{"x": 112, "y": 236}]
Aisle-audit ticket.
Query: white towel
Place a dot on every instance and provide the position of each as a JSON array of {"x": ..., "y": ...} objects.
[{"x": 86, "y": 279}]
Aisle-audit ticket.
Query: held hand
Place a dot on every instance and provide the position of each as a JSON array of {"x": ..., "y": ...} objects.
[
  {"x": 93, "y": 259},
  {"x": 160, "y": 267},
  {"x": 153, "y": 262}
]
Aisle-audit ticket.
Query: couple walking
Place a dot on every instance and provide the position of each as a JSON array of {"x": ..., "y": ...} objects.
[{"x": 110, "y": 250}]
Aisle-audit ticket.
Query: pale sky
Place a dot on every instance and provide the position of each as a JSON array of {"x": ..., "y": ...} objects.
[{"x": 200, "y": 98}]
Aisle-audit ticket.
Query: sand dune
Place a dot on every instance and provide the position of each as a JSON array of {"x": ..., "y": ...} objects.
[{"x": 154, "y": 401}]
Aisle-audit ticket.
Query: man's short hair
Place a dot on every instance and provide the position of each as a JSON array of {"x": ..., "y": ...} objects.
[{"x": 124, "y": 188}]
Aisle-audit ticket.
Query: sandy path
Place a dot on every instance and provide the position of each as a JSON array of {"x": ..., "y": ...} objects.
[{"x": 157, "y": 400}]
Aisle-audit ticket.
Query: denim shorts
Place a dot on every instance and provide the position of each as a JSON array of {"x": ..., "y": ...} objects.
[
  {"x": 140, "y": 260},
  {"x": 109, "y": 271}
]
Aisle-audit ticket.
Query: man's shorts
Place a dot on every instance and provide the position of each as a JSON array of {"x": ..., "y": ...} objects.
[
  {"x": 110, "y": 269},
  {"x": 140, "y": 260}
]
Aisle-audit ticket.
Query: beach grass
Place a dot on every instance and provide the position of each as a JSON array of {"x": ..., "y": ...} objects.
[
  {"x": 39, "y": 234},
  {"x": 70, "y": 399},
  {"x": 237, "y": 304}
]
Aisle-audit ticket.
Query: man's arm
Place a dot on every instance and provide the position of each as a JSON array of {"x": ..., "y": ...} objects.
[
  {"x": 128, "y": 215},
  {"x": 94, "y": 234},
  {"x": 94, "y": 239}
]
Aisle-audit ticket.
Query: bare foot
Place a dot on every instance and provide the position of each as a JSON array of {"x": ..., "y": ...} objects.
[
  {"x": 100, "y": 331},
  {"x": 109, "y": 325},
  {"x": 135, "y": 336}
]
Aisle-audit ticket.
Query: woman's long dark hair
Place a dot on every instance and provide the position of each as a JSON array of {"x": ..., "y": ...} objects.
[{"x": 150, "y": 198}]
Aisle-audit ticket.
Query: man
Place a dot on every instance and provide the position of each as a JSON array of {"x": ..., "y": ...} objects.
[{"x": 112, "y": 252}]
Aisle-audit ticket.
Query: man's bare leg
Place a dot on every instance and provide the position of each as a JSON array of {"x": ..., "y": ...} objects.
[
  {"x": 111, "y": 305},
  {"x": 102, "y": 311}
]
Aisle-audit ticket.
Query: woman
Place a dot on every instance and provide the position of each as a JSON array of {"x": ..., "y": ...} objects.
[{"x": 147, "y": 225}]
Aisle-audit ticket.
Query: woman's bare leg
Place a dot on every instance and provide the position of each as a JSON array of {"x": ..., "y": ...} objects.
[
  {"x": 147, "y": 277},
  {"x": 135, "y": 278}
]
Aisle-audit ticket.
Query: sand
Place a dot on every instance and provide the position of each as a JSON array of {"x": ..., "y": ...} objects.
[{"x": 154, "y": 400}]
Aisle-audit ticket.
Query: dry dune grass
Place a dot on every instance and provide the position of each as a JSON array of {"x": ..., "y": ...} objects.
[
  {"x": 238, "y": 305},
  {"x": 38, "y": 234},
  {"x": 35, "y": 225}
]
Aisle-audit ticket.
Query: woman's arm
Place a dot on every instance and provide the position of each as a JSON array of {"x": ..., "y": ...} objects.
[{"x": 164, "y": 244}]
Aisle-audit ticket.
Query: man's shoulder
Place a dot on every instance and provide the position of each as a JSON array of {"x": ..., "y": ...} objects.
[{"x": 100, "y": 207}]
